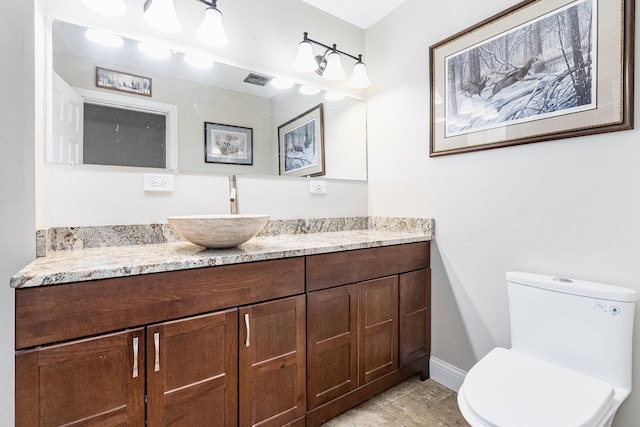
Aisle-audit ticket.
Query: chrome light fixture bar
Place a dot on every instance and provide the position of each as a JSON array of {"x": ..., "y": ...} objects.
[{"x": 329, "y": 65}]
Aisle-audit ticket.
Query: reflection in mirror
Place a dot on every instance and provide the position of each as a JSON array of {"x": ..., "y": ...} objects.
[{"x": 219, "y": 94}]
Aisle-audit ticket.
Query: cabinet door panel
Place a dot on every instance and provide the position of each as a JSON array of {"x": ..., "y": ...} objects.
[
  {"x": 332, "y": 337},
  {"x": 192, "y": 371},
  {"x": 92, "y": 382},
  {"x": 272, "y": 362},
  {"x": 415, "y": 316},
  {"x": 378, "y": 328}
]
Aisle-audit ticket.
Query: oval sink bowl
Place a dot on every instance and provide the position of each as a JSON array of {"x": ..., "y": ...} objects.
[{"x": 218, "y": 231}]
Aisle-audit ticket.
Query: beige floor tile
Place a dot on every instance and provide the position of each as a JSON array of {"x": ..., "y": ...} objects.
[
  {"x": 413, "y": 410},
  {"x": 368, "y": 414},
  {"x": 398, "y": 391},
  {"x": 410, "y": 404}
]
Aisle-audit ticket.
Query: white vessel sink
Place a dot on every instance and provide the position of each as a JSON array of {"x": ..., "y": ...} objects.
[{"x": 218, "y": 231}]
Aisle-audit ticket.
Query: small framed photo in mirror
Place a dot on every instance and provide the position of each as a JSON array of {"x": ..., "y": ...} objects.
[
  {"x": 123, "y": 82},
  {"x": 228, "y": 144},
  {"x": 301, "y": 144}
]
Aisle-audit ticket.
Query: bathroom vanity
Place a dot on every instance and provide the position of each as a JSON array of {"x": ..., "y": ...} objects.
[{"x": 283, "y": 331}]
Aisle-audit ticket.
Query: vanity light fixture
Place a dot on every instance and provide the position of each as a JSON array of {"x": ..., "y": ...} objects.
[
  {"x": 329, "y": 65},
  {"x": 161, "y": 15},
  {"x": 104, "y": 38},
  {"x": 112, "y": 8}
]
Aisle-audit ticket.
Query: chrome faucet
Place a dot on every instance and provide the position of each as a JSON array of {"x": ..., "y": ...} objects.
[{"x": 233, "y": 194}]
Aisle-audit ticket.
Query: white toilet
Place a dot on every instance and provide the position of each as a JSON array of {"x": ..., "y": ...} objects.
[{"x": 570, "y": 359}]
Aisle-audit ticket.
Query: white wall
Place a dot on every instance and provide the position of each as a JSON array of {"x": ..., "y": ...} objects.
[
  {"x": 263, "y": 37},
  {"x": 568, "y": 207},
  {"x": 16, "y": 177}
]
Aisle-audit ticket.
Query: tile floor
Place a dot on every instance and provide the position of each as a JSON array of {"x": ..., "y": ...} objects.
[{"x": 410, "y": 404}]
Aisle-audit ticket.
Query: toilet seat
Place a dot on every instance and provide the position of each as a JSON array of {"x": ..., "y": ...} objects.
[{"x": 507, "y": 388}]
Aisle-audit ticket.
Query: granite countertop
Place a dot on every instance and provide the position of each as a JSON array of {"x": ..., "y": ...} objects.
[{"x": 67, "y": 266}]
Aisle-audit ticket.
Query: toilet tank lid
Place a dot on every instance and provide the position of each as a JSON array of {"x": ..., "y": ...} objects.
[{"x": 574, "y": 287}]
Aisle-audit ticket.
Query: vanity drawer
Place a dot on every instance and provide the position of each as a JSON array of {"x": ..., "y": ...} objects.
[
  {"x": 340, "y": 268},
  {"x": 49, "y": 314}
]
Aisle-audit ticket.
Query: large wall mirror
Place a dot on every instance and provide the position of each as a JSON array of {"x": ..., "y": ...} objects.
[{"x": 230, "y": 99}]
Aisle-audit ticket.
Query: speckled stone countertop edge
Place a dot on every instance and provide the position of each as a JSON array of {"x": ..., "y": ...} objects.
[{"x": 121, "y": 261}]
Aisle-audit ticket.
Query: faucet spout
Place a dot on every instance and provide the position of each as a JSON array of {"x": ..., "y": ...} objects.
[{"x": 233, "y": 194}]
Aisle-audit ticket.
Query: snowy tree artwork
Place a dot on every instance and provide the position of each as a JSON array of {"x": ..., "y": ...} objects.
[
  {"x": 542, "y": 68},
  {"x": 301, "y": 144}
]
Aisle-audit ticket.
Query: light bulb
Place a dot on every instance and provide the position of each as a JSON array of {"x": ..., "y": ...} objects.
[
  {"x": 334, "y": 70},
  {"x": 305, "y": 60},
  {"x": 282, "y": 83},
  {"x": 334, "y": 96},
  {"x": 104, "y": 38},
  {"x": 211, "y": 30},
  {"x": 161, "y": 15},
  {"x": 308, "y": 90},
  {"x": 154, "y": 50},
  {"x": 198, "y": 60},
  {"x": 359, "y": 78},
  {"x": 110, "y": 8}
]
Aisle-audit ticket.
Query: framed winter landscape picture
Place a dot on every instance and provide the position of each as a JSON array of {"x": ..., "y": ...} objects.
[
  {"x": 123, "y": 82},
  {"x": 301, "y": 144},
  {"x": 541, "y": 70},
  {"x": 228, "y": 144}
]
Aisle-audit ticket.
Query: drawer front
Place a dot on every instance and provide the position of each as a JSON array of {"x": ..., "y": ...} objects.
[
  {"x": 340, "y": 268},
  {"x": 50, "y": 314}
]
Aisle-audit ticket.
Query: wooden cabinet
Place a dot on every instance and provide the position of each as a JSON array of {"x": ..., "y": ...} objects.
[
  {"x": 187, "y": 367},
  {"x": 367, "y": 336},
  {"x": 192, "y": 371},
  {"x": 353, "y": 337},
  {"x": 272, "y": 363},
  {"x": 378, "y": 328},
  {"x": 332, "y": 343},
  {"x": 187, "y": 370},
  {"x": 97, "y": 382},
  {"x": 230, "y": 345},
  {"x": 415, "y": 316}
]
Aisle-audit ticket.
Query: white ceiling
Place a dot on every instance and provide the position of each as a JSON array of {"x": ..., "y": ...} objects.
[{"x": 362, "y": 13}]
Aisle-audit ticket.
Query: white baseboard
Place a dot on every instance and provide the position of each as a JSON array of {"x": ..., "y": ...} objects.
[{"x": 446, "y": 374}]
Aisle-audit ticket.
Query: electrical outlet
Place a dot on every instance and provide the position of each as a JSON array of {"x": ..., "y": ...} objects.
[
  {"x": 318, "y": 187},
  {"x": 154, "y": 182}
]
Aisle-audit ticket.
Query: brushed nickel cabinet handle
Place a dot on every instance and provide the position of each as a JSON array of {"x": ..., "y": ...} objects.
[
  {"x": 156, "y": 344},
  {"x": 135, "y": 357},
  {"x": 246, "y": 324}
]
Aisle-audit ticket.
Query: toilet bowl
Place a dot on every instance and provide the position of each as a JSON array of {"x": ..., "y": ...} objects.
[{"x": 570, "y": 361}]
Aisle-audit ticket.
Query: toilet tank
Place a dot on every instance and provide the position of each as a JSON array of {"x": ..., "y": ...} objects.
[{"x": 579, "y": 325}]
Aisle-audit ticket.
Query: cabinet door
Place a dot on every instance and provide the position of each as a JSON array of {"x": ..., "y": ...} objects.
[
  {"x": 332, "y": 343},
  {"x": 92, "y": 382},
  {"x": 192, "y": 371},
  {"x": 378, "y": 326},
  {"x": 415, "y": 316},
  {"x": 272, "y": 362}
]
